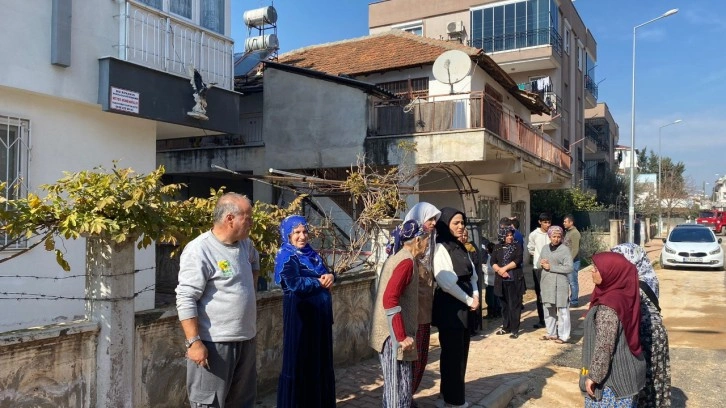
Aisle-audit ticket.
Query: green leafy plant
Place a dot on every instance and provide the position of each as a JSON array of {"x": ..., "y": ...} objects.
[
  {"x": 118, "y": 204},
  {"x": 590, "y": 244}
]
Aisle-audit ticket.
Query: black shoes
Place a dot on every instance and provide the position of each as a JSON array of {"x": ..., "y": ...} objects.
[
  {"x": 540, "y": 325},
  {"x": 501, "y": 331},
  {"x": 514, "y": 335}
]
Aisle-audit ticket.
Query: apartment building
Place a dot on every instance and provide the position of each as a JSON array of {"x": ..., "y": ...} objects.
[
  {"x": 542, "y": 44},
  {"x": 87, "y": 83},
  {"x": 602, "y": 131}
]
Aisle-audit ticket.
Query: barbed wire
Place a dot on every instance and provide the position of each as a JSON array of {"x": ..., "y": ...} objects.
[
  {"x": 135, "y": 271},
  {"x": 40, "y": 296}
]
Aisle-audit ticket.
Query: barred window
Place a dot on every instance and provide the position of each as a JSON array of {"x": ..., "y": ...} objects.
[
  {"x": 14, "y": 147},
  {"x": 408, "y": 88}
]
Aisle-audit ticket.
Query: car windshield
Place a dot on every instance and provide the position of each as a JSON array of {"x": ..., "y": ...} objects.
[
  {"x": 705, "y": 214},
  {"x": 691, "y": 235}
]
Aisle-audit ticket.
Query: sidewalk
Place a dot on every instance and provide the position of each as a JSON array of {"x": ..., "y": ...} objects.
[{"x": 500, "y": 369}]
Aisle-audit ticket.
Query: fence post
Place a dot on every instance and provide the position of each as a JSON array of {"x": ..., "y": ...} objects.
[{"x": 110, "y": 303}]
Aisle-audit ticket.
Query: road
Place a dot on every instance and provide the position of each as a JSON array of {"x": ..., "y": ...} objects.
[{"x": 694, "y": 311}]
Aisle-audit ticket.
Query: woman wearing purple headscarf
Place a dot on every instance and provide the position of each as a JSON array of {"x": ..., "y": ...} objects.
[
  {"x": 556, "y": 264},
  {"x": 307, "y": 378}
]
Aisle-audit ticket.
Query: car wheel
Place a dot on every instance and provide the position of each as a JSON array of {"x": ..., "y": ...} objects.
[{"x": 662, "y": 265}]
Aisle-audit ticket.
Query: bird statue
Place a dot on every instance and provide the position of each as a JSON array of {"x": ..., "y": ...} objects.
[{"x": 199, "y": 111}]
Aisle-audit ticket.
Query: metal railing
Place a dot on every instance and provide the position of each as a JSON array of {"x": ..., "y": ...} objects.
[
  {"x": 522, "y": 39},
  {"x": 463, "y": 111},
  {"x": 161, "y": 41},
  {"x": 591, "y": 86}
]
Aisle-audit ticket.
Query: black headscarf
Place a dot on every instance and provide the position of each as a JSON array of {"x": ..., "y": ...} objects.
[{"x": 457, "y": 250}]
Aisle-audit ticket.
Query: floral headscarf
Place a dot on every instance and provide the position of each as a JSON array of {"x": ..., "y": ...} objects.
[
  {"x": 555, "y": 230},
  {"x": 404, "y": 232},
  {"x": 306, "y": 255},
  {"x": 638, "y": 257}
]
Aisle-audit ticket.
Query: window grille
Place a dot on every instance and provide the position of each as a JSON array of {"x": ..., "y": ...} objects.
[
  {"x": 14, "y": 149},
  {"x": 408, "y": 88}
]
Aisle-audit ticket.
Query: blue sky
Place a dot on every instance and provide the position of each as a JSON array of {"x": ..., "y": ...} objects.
[{"x": 680, "y": 66}]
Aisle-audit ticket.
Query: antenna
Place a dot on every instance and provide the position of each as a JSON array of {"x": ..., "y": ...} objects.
[{"x": 451, "y": 67}]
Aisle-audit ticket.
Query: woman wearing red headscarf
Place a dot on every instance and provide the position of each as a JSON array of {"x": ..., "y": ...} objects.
[{"x": 613, "y": 367}]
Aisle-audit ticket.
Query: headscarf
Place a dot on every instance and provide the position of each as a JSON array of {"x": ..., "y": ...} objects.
[
  {"x": 554, "y": 230},
  {"x": 422, "y": 212},
  {"x": 443, "y": 233},
  {"x": 638, "y": 257},
  {"x": 619, "y": 291},
  {"x": 509, "y": 249},
  {"x": 404, "y": 232},
  {"x": 460, "y": 259},
  {"x": 306, "y": 255}
]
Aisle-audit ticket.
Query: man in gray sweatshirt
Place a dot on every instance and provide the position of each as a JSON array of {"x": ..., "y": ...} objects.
[{"x": 216, "y": 303}]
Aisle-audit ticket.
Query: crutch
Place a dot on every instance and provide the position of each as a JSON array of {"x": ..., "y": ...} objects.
[{"x": 394, "y": 351}]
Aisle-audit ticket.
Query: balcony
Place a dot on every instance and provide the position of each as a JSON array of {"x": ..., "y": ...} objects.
[
  {"x": 524, "y": 51},
  {"x": 590, "y": 92},
  {"x": 164, "y": 42},
  {"x": 452, "y": 113}
]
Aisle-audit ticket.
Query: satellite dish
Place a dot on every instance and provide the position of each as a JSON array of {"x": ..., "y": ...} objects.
[{"x": 451, "y": 67}]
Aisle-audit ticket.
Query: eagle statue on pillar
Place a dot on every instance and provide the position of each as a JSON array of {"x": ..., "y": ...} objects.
[{"x": 199, "y": 111}]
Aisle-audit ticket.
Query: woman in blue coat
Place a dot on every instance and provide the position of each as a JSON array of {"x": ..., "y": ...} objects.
[{"x": 307, "y": 378}]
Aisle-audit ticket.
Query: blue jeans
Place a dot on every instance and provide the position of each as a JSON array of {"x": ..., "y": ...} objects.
[{"x": 574, "y": 284}]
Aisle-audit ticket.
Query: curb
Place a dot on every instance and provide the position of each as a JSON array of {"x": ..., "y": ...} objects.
[{"x": 503, "y": 394}]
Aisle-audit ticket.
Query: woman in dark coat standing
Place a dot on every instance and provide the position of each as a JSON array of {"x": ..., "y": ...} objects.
[
  {"x": 453, "y": 299},
  {"x": 307, "y": 378},
  {"x": 509, "y": 284}
]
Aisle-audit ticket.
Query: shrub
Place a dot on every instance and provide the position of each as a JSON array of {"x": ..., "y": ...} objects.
[{"x": 590, "y": 244}]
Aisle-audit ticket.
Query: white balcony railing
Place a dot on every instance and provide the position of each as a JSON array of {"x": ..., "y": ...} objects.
[{"x": 158, "y": 40}]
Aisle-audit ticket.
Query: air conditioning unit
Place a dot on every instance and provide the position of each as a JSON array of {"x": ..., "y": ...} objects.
[
  {"x": 455, "y": 28},
  {"x": 506, "y": 195}
]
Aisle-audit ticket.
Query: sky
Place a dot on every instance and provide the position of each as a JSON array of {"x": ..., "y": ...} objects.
[{"x": 680, "y": 67}]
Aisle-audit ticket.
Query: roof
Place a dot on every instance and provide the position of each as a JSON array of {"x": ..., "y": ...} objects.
[
  {"x": 364, "y": 86},
  {"x": 396, "y": 50}
]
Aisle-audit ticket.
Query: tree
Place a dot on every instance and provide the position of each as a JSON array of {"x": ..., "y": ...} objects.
[{"x": 608, "y": 186}]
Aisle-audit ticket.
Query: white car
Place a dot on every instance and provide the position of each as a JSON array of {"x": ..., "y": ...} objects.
[{"x": 692, "y": 245}]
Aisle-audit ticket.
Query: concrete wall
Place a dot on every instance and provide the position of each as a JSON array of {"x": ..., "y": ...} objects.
[
  {"x": 70, "y": 136},
  {"x": 324, "y": 121},
  {"x": 54, "y": 366}
]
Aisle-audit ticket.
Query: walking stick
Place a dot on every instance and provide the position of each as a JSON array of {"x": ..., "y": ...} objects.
[{"x": 394, "y": 350}]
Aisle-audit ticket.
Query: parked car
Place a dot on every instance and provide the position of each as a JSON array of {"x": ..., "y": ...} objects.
[{"x": 692, "y": 245}]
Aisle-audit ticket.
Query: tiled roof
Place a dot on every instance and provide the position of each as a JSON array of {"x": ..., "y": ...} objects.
[
  {"x": 396, "y": 49},
  {"x": 393, "y": 49}
]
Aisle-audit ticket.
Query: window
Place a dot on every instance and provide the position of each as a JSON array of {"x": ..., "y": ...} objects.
[
  {"x": 413, "y": 27},
  {"x": 566, "y": 37},
  {"x": 14, "y": 136},
  {"x": 408, "y": 88},
  {"x": 518, "y": 24},
  {"x": 580, "y": 57},
  {"x": 205, "y": 13}
]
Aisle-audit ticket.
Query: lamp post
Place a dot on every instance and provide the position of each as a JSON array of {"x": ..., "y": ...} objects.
[
  {"x": 631, "y": 198},
  {"x": 660, "y": 198}
]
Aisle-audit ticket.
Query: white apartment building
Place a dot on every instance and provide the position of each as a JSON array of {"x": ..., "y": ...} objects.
[{"x": 87, "y": 83}]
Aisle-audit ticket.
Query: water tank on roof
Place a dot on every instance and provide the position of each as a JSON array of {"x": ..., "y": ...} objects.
[
  {"x": 260, "y": 17},
  {"x": 261, "y": 42}
]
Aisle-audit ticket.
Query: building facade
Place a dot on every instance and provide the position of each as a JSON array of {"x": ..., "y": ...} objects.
[
  {"x": 601, "y": 131},
  {"x": 542, "y": 44},
  {"x": 83, "y": 85}
]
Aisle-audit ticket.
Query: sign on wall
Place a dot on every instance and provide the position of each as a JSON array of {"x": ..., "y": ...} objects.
[{"x": 124, "y": 100}]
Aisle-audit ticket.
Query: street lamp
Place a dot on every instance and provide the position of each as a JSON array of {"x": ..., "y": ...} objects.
[
  {"x": 631, "y": 198},
  {"x": 660, "y": 200}
]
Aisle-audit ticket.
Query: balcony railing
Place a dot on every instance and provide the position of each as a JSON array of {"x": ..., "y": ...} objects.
[
  {"x": 158, "y": 40},
  {"x": 463, "y": 111},
  {"x": 543, "y": 87},
  {"x": 591, "y": 86},
  {"x": 522, "y": 39}
]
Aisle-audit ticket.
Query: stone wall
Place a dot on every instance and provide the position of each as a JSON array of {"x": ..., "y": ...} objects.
[{"x": 54, "y": 366}]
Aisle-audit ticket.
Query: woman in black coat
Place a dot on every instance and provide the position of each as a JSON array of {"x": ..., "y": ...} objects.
[
  {"x": 509, "y": 283},
  {"x": 454, "y": 298}
]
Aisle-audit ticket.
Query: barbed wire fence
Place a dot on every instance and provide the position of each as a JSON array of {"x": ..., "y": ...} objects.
[{"x": 19, "y": 296}]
